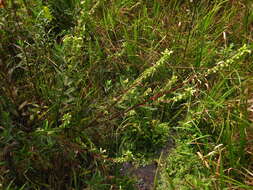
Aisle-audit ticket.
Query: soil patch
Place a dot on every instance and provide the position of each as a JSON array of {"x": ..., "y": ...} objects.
[{"x": 146, "y": 175}]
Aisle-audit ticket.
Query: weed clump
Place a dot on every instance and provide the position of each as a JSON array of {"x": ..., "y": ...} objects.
[{"x": 88, "y": 86}]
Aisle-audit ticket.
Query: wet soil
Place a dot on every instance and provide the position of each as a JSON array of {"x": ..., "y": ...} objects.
[{"x": 146, "y": 175}]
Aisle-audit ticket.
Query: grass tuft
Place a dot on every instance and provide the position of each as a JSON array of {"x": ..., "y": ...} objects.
[{"x": 87, "y": 87}]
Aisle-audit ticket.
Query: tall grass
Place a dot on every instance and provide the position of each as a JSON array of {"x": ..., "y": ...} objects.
[{"x": 89, "y": 85}]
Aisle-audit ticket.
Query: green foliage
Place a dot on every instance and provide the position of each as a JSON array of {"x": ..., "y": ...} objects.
[
  {"x": 86, "y": 85},
  {"x": 184, "y": 170}
]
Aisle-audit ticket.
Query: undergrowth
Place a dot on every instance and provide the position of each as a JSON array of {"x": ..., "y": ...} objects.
[{"x": 86, "y": 86}]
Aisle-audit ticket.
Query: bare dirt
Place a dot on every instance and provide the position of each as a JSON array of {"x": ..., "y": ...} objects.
[{"x": 146, "y": 175}]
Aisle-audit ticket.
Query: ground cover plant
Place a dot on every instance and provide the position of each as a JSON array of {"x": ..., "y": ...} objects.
[{"x": 87, "y": 87}]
